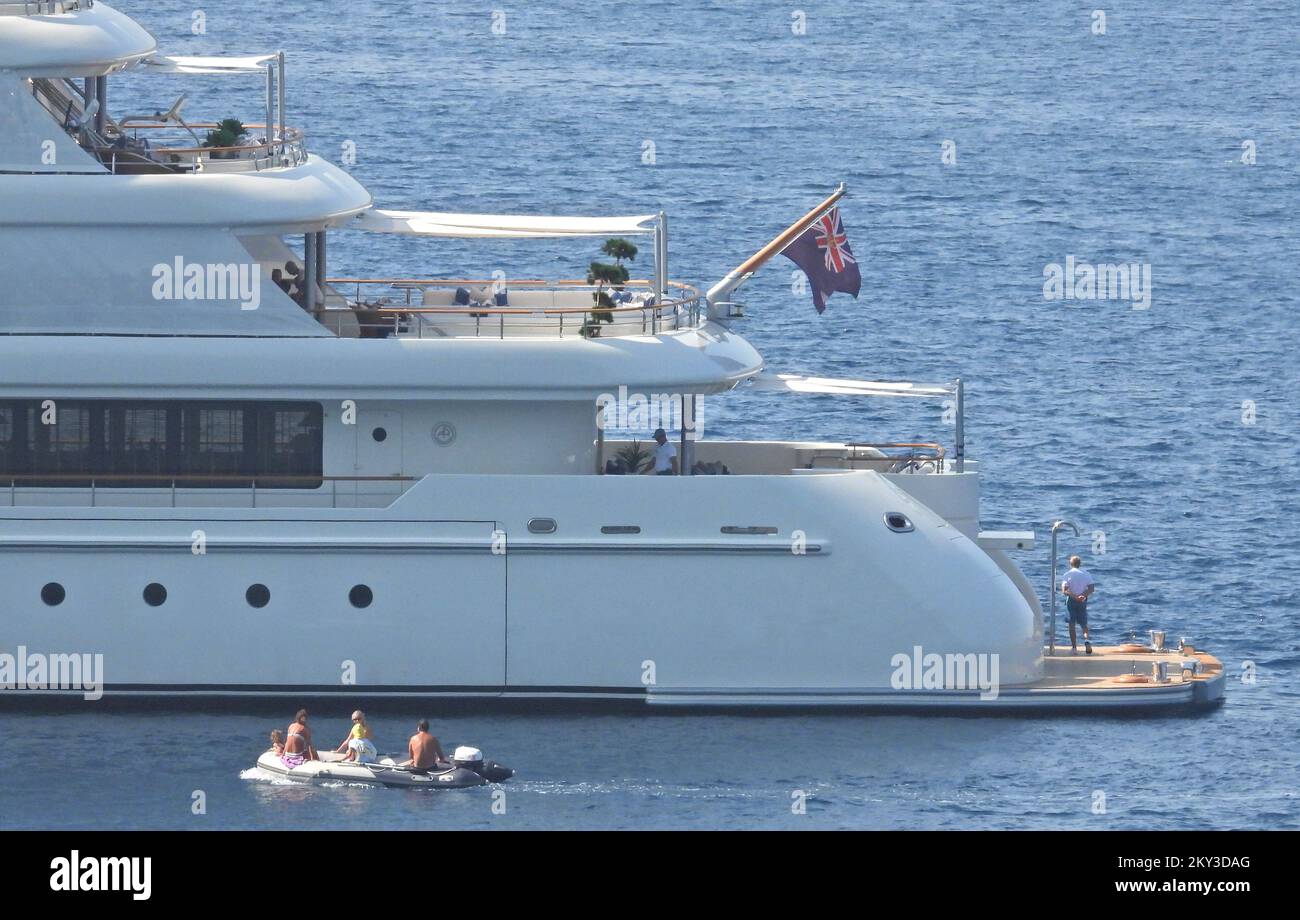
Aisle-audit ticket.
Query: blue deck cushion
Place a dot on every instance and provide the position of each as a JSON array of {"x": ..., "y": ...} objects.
[{"x": 501, "y": 298}]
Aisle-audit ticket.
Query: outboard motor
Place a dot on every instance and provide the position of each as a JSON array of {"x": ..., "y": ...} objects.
[{"x": 471, "y": 758}]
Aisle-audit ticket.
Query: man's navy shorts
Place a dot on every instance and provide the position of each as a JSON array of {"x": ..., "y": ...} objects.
[{"x": 1078, "y": 611}]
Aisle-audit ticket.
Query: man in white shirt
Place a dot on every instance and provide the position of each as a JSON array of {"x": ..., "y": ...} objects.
[
  {"x": 665, "y": 456},
  {"x": 1077, "y": 588}
]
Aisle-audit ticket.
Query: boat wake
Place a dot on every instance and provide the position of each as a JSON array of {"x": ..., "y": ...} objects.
[{"x": 257, "y": 774}]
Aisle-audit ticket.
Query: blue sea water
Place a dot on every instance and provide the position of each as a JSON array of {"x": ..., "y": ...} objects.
[{"x": 1120, "y": 147}]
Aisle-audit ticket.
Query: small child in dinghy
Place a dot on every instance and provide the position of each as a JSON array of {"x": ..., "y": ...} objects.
[{"x": 358, "y": 743}]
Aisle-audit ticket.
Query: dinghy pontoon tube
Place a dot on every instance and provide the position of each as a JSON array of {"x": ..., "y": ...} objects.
[{"x": 467, "y": 768}]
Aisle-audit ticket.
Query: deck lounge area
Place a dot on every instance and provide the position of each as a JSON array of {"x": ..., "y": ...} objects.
[
  {"x": 477, "y": 308},
  {"x": 785, "y": 458},
  {"x": 166, "y": 141}
]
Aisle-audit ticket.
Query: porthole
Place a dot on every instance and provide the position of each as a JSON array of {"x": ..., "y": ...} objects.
[
  {"x": 361, "y": 596},
  {"x": 53, "y": 594},
  {"x": 258, "y": 595},
  {"x": 380, "y": 434},
  {"x": 155, "y": 595},
  {"x": 898, "y": 522},
  {"x": 542, "y": 525}
]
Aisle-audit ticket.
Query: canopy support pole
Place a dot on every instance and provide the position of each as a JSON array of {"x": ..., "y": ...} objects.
[
  {"x": 687, "y": 459},
  {"x": 960, "y": 452},
  {"x": 101, "y": 93},
  {"x": 270, "y": 112},
  {"x": 681, "y": 449},
  {"x": 661, "y": 258},
  {"x": 279, "y": 83},
  {"x": 309, "y": 272},
  {"x": 321, "y": 273}
]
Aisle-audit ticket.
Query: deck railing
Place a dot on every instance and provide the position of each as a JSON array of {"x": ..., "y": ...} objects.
[
  {"x": 272, "y": 153},
  {"x": 44, "y": 7},
  {"x": 903, "y": 457},
  {"x": 380, "y": 316},
  {"x": 918, "y": 457},
  {"x": 226, "y": 484}
]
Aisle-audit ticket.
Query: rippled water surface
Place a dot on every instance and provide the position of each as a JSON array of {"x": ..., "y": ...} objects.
[{"x": 1111, "y": 148}]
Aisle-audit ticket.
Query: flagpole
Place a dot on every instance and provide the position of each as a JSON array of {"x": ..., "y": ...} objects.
[{"x": 741, "y": 273}]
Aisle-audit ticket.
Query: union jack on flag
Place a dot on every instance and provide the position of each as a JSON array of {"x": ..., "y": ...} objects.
[
  {"x": 832, "y": 241},
  {"x": 823, "y": 252}
]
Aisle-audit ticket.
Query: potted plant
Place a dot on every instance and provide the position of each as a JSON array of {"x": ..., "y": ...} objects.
[
  {"x": 229, "y": 132},
  {"x": 634, "y": 457},
  {"x": 615, "y": 275}
]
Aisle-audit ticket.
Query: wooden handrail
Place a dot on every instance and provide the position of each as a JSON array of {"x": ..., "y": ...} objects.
[
  {"x": 518, "y": 311},
  {"x": 448, "y": 282}
]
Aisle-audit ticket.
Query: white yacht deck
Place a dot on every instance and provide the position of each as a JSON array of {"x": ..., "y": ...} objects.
[{"x": 1122, "y": 678}]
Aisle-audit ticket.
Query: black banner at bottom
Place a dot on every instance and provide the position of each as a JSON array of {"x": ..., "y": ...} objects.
[{"x": 385, "y": 868}]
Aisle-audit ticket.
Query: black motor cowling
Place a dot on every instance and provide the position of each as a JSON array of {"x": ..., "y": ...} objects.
[
  {"x": 494, "y": 772},
  {"x": 468, "y": 758}
]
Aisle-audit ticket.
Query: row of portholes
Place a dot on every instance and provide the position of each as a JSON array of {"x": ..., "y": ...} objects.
[{"x": 155, "y": 595}]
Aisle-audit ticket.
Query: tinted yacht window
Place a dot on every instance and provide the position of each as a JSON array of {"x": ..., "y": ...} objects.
[{"x": 128, "y": 443}]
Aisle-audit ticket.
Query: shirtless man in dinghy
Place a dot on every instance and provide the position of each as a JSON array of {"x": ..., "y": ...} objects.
[{"x": 424, "y": 749}]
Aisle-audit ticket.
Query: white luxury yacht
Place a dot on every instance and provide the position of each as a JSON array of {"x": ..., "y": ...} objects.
[{"x": 229, "y": 473}]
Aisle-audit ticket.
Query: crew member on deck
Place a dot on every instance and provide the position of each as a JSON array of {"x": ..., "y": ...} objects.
[
  {"x": 665, "y": 456},
  {"x": 1078, "y": 587}
]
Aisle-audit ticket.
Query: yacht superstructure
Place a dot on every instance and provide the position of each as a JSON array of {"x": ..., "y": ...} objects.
[{"x": 230, "y": 473}]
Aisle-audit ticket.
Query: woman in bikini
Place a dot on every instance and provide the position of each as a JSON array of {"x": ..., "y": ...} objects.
[{"x": 297, "y": 746}]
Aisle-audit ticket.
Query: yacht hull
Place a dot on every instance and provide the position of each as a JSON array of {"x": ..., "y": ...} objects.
[{"x": 737, "y": 592}]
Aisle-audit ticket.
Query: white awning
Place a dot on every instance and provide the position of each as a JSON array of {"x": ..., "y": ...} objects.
[
  {"x": 795, "y": 383},
  {"x": 161, "y": 63},
  {"x": 445, "y": 224}
]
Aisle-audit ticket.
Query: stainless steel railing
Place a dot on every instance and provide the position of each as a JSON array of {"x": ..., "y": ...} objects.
[
  {"x": 380, "y": 316},
  {"x": 44, "y": 7},
  {"x": 140, "y": 483}
]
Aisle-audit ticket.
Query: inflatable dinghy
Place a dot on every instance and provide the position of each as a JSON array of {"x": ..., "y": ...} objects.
[{"x": 467, "y": 768}]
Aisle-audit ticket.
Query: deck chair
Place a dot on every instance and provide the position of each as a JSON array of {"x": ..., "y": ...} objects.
[{"x": 171, "y": 117}]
